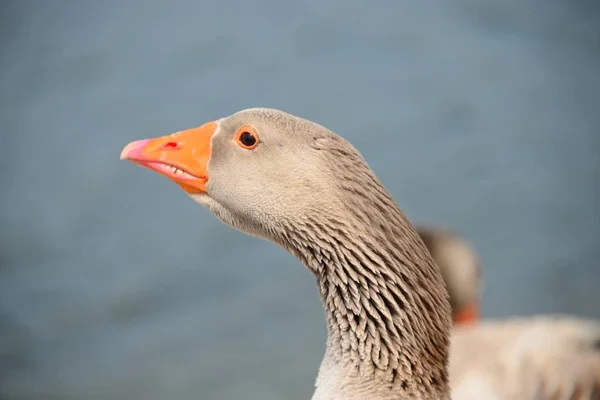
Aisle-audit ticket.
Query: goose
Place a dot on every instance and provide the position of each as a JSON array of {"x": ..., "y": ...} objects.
[
  {"x": 521, "y": 358},
  {"x": 460, "y": 268},
  {"x": 294, "y": 182}
]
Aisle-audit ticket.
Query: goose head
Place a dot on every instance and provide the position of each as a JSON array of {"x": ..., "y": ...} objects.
[
  {"x": 257, "y": 170},
  {"x": 461, "y": 269},
  {"x": 296, "y": 183}
]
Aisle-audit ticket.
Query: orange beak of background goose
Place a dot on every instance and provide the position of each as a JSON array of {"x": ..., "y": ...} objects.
[{"x": 182, "y": 157}]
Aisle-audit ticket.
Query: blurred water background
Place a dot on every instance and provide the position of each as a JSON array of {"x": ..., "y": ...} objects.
[{"x": 482, "y": 116}]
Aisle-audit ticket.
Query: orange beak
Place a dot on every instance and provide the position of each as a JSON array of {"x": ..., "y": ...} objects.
[
  {"x": 467, "y": 315},
  {"x": 182, "y": 157}
]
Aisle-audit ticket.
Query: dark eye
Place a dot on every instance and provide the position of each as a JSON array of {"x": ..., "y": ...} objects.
[{"x": 247, "y": 138}]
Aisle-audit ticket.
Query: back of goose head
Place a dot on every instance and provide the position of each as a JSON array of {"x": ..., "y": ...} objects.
[
  {"x": 294, "y": 182},
  {"x": 460, "y": 267}
]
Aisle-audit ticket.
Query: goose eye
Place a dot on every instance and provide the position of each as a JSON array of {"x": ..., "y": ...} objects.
[{"x": 246, "y": 137}]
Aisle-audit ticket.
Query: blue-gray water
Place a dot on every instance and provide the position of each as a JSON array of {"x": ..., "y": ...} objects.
[{"x": 482, "y": 116}]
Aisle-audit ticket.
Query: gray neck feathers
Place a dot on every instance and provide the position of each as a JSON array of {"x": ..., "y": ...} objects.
[{"x": 387, "y": 308}]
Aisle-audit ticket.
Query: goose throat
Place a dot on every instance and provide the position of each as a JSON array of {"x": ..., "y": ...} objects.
[{"x": 383, "y": 318}]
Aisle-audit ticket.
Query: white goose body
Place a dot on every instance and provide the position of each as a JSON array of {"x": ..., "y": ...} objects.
[
  {"x": 295, "y": 183},
  {"x": 521, "y": 358},
  {"x": 527, "y": 358}
]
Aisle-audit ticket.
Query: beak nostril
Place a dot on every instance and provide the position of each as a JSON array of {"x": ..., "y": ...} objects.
[{"x": 171, "y": 145}]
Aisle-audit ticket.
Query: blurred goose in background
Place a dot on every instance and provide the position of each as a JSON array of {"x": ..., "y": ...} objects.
[
  {"x": 540, "y": 357},
  {"x": 460, "y": 268},
  {"x": 293, "y": 182}
]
